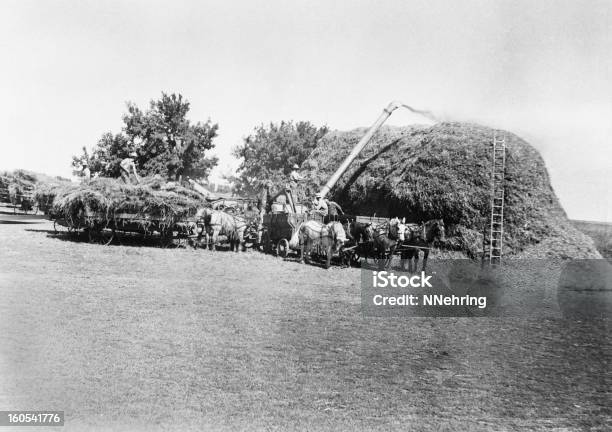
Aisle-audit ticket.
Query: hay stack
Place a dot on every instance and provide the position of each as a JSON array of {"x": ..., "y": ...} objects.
[{"x": 444, "y": 171}]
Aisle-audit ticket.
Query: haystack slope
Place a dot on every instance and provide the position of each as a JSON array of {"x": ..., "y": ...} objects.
[{"x": 444, "y": 171}]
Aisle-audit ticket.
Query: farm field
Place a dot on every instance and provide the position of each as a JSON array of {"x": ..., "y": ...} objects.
[{"x": 144, "y": 338}]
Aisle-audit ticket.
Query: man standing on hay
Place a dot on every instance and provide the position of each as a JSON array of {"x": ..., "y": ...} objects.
[
  {"x": 295, "y": 176},
  {"x": 291, "y": 188},
  {"x": 128, "y": 167}
]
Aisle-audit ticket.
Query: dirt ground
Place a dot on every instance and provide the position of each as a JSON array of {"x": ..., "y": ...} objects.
[{"x": 145, "y": 338}]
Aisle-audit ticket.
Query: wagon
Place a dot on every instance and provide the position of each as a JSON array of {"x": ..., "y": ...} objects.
[
  {"x": 103, "y": 229},
  {"x": 278, "y": 228},
  {"x": 21, "y": 200}
]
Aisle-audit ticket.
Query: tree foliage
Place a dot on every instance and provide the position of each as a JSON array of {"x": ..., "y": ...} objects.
[
  {"x": 165, "y": 141},
  {"x": 268, "y": 154}
]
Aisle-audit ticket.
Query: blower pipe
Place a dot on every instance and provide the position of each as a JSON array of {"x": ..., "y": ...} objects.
[{"x": 364, "y": 141}]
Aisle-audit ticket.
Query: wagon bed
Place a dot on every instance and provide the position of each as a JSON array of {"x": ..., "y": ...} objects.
[{"x": 96, "y": 224}]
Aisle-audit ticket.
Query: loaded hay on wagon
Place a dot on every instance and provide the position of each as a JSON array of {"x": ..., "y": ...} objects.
[
  {"x": 444, "y": 171},
  {"x": 153, "y": 204}
]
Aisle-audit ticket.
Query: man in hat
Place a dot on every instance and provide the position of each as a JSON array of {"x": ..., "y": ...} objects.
[
  {"x": 292, "y": 187},
  {"x": 320, "y": 205},
  {"x": 128, "y": 167},
  {"x": 85, "y": 171},
  {"x": 295, "y": 176}
]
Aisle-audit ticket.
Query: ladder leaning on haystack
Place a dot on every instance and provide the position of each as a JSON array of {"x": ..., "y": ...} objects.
[{"x": 493, "y": 247}]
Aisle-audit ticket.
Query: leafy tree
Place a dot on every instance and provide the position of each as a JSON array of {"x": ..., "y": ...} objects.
[
  {"x": 268, "y": 154},
  {"x": 106, "y": 156},
  {"x": 166, "y": 142}
]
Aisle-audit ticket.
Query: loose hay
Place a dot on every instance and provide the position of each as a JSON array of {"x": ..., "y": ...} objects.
[
  {"x": 108, "y": 199},
  {"x": 444, "y": 171}
]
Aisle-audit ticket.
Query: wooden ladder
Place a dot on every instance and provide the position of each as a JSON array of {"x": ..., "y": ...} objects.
[{"x": 498, "y": 169}]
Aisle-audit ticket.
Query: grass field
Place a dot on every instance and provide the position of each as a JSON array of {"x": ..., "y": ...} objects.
[{"x": 142, "y": 338}]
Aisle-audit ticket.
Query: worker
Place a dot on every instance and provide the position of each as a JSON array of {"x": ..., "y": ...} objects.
[
  {"x": 295, "y": 176},
  {"x": 320, "y": 205},
  {"x": 292, "y": 189},
  {"x": 333, "y": 210},
  {"x": 85, "y": 171},
  {"x": 128, "y": 167}
]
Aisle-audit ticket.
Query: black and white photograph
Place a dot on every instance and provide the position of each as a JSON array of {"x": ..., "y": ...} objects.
[{"x": 306, "y": 215}]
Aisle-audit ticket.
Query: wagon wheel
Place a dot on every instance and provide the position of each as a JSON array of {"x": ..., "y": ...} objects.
[
  {"x": 282, "y": 248},
  {"x": 110, "y": 238}
]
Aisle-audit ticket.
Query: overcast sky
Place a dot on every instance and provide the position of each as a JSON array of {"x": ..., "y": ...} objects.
[{"x": 541, "y": 69}]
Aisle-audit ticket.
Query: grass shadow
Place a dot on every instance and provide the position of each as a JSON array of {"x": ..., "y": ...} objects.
[
  {"x": 123, "y": 239},
  {"x": 18, "y": 222}
]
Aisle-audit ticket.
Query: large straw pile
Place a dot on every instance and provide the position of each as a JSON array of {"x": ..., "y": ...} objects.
[
  {"x": 107, "y": 199},
  {"x": 444, "y": 171}
]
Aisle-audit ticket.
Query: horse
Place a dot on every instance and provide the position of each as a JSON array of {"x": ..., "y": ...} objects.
[
  {"x": 357, "y": 231},
  {"x": 415, "y": 237},
  {"x": 330, "y": 238},
  {"x": 386, "y": 239},
  {"x": 360, "y": 237},
  {"x": 217, "y": 222}
]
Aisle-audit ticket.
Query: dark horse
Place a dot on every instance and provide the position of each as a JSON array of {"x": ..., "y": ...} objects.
[
  {"x": 415, "y": 237},
  {"x": 360, "y": 242},
  {"x": 386, "y": 239}
]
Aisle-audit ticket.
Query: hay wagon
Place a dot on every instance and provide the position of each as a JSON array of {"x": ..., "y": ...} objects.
[
  {"x": 20, "y": 199},
  {"x": 103, "y": 228},
  {"x": 278, "y": 228}
]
